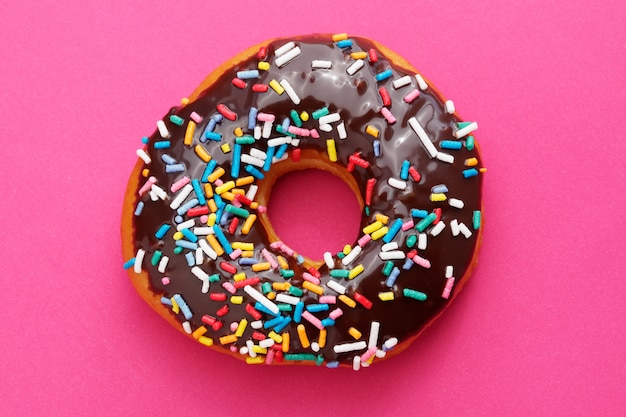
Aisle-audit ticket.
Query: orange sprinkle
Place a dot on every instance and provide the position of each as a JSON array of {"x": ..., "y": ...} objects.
[
  {"x": 304, "y": 339},
  {"x": 247, "y": 225},
  {"x": 244, "y": 180},
  {"x": 215, "y": 245},
  {"x": 191, "y": 128},
  {"x": 313, "y": 288},
  {"x": 347, "y": 300},
  {"x": 355, "y": 333},
  {"x": 200, "y": 331},
  {"x": 228, "y": 339},
  {"x": 322, "y": 339},
  {"x": 285, "y": 344}
]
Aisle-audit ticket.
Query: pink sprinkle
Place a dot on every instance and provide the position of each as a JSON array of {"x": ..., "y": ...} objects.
[
  {"x": 299, "y": 131},
  {"x": 180, "y": 184},
  {"x": 421, "y": 261},
  {"x": 235, "y": 254},
  {"x": 228, "y": 286},
  {"x": 196, "y": 117},
  {"x": 233, "y": 326},
  {"x": 269, "y": 358},
  {"x": 364, "y": 240},
  {"x": 335, "y": 314},
  {"x": 314, "y": 134},
  {"x": 370, "y": 352},
  {"x": 204, "y": 218},
  {"x": 236, "y": 203},
  {"x": 218, "y": 182},
  {"x": 165, "y": 280},
  {"x": 265, "y": 117},
  {"x": 387, "y": 115},
  {"x": 328, "y": 299},
  {"x": 413, "y": 94},
  {"x": 446, "y": 291},
  {"x": 261, "y": 209},
  {"x": 407, "y": 225},
  {"x": 147, "y": 186},
  {"x": 276, "y": 245},
  {"x": 233, "y": 349},
  {"x": 312, "y": 279},
  {"x": 269, "y": 258},
  {"x": 286, "y": 249},
  {"x": 312, "y": 319}
]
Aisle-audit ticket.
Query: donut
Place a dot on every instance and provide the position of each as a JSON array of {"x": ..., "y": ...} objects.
[{"x": 200, "y": 248}]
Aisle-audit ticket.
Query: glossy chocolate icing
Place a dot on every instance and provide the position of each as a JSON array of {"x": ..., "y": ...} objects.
[{"x": 356, "y": 98}]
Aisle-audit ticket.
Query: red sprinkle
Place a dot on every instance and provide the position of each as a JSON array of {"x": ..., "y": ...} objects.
[
  {"x": 437, "y": 211},
  {"x": 232, "y": 227},
  {"x": 217, "y": 325},
  {"x": 226, "y": 112},
  {"x": 262, "y": 54},
  {"x": 315, "y": 272},
  {"x": 222, "y": 311},
  {"x": 368, "y": 191},
  {"x": 217, "y": 296},
  {"x": 239, "y": 83},
  {"x": 228, "y": 267},
  {"x": 206, "y": 319},
  {"x": 198, "y": 211},
  {"x": 361, "y": 299},
  {"x": 373, "y": 55},
  {"x": 356, "y": 159},
  {"x": 415, "y": 174},
  {"x": 411, "y": 254},
  {"x": 258, "y": 335},
  {"x": 243, "y": 199},
  {"x": 279, "y": 356},
  {"x": 253, "y": 312},
  {"x": 295, "y": 154},
  {"x": 248, "y": 281},
  {"x": 260, "y": 88},
  {"x": 384, "y": 94}
]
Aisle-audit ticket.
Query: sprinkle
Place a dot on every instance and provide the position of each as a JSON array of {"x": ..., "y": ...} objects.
[
  {"x": 361, "y": 299},
  {"x": 312, "y": 319},
  {"x": 162, "y": 129},
  {"x": 393, "y": 231},
  {"x": 226, "y": 112},
  {"x": 284, "y": 48},
  {"x": 420, "y": 82},
  {"x": 290, "y": 91},
  {"x": 321, "y": 64},
  {"x": 328, "y": 258},
  {"x": 328, "y": 118},
  {"x": 466, "y": 130},
  {"x": 239, "y": 83},
  {"x": 401, "y": 82},
  {"x": 387, "y": 115},
  {"x": 339, "y": 37},
  {"x": 331, "y": 149},
  {"x": 465, "y": 230},
  {"x": 381, "y": 76},
  {"x": 423, "y": 136},
  {"x": 335, "y": 286},
  {"x": 450, "y": 144},
  {"x": 247, "y": 74},
  {"x": 422, "y": 239},
  {"x": 261, "y": 299},
  {"x": 384, "y": 95},
  {"x": 391, "y": 279},
  {"x": 344, "y": 43},
  {"x": 213, "y": 136},
  {"x": 390, "y": 343},
  {"x": 355, "y": 66},
  {"x": 144, "y": 156},
  {"x": 288, "y": 56},
  {"x": 468, "y": 173},
  {"x": 313, "y": 288},
  {"x": 448, "y": 288},
  {"x": 356, "y": 271},
  {"x": 411, "y": 95},
  {"x": 349, "y": 347},
  {"x": 420, "y": 296},
  {"x": 445, "y": 157},
  {"x": 396, "y": 183},
  {"x": 391, "y": 255},
  {"x": 347, "y": 301},
  {"x": 304, "y": 339},
  {"x": 163, "y": 144},
  {"x": 386, "y": 296},
  {"x": 469, "y": 143},
  {"x": 354, "y": 253},
  {"x": 449, "y": 107},
  {"x": 476, "y": 219},
  {"x": 372, "y": 131},
  {"x": 355, "y": 333},
  {"x": 373, "y": 56}
]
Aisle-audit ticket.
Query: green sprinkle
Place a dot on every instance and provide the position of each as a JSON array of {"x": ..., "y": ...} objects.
[
  {"x": 176, "y": 120},
  {"x": 367, "y": 210},
  {"x": 266, "y": 287},
  {"x": 244, "y": 140},
  {"x": 214, "y": 278},
  {"x": 237, "y": 211},
  {"x": 178, "y": 250},
  {"x": 287, "y": 273},
  {"x": 469, "y": 143},
  {"x": 420, "y": 296},
  {"x": 319, "y": 360},
  {"x": 296, "y": 118},
  {"x": 425, "y": 222},
  {"x": 320, "y": 112},
  {"x": 279, "y": 129},
  {"x": 284, "y": 307},
  {"x": 461, "y": 125},
  {"x": 156, "y": 257},
  {"x": 340, "y": 255},
  {"x": 296, "y": 291},
  {"x": 300, "y": 357},
  {"x": 476, "y": 219},
  {"x": 339, "y": 273},
  {"x": 411, "y": 240},
  {"x": 388, "y": 268}
]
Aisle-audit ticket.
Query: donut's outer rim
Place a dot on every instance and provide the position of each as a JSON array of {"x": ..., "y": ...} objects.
[{"x": 141, "y": 281}]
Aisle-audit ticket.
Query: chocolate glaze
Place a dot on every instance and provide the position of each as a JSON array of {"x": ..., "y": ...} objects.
[{"x": 357, "y": 99}]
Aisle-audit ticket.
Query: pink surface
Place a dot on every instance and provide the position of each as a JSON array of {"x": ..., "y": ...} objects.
[{"x": 538, "y": 331}]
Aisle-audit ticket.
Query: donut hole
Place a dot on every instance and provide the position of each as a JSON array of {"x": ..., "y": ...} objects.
[{"x": 314, "y": 211}]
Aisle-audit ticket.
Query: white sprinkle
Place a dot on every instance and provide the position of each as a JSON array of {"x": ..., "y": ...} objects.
[
  {"x": 355, "y": 66},
  {"x": 356, "y": 363},
  {"x": 203, "y": 230},
  {"x": 251, "y": 160},
  {"x": 350, "y": 347},
  {"x": 329, "y": 118},
  {"x": 261, "y": 299},
  {"x": 421, "y": 134},
  {"x": 341, "y": 131},
  {"x": 282, "y": 158},
  {"x": 257, "y": 324},
  {"x": 456, "y": 203},
  {"x": 163, "y": 129},
  {"x": 373, "y": 339},
  {"x": 187, "y": 327},
  {"x": 326, "y": 128},
  {"x": 449, "y": 271},
  {"x": 139, "y": 260},
  {"x": 202, "y": 276},
  {"x": 380, "y": 353},
  {"x": 390, "y": 343},
  {"x": 420, "y": 82},
  {"x": 288, "y": 56},
  {"x": 258, "y": 132},
  {"x": 422, "y": 240},
  {"x": 182, "y": 195},
  {"x": 286, "y": 298},
  {"x": 328, "y": 258},
  {"x": 266, "y": 343},
  {"x": 466, "y": 130},
  {"x": 445, "y": 157},
  {"x": 158, "y": 192},
  {"x": 454, "y": 225},
  {"x": 337, "y": 287},
  {"x": 207, "y": 249},
  {"x": 396, "y": 183},
  {"x": 321, "y": 64},
  {"x": 257, "y": 153},
  {"x": 389, "y": 246},
  {"x": 437, "y": 228},
  {"x": 391, "y": 255},
  {"x": 250, "y": 346},
  {"x": 163, "y": 264},
  {"x": 199, "y": 256},
  {"x": 252, "y": 191},
  {"x": 295, "y": 141},
  {"x": 186, "y": 225},
  {"x": 284, "y": 48},
  {"x": 465, "y": 230},
  {"x": 267, "y": 129},
  {"x": 315, "y": 347},
  {"x": 243, "y": 350},
  {"x": 401, "y": 82},
  {"x": 356, "y": 251},
  {"x": 450, "y": 107},
  {"x": 290, "y": 91},
  {"x": 278, "y": 141},
  {"x": 144, "y": 156}
]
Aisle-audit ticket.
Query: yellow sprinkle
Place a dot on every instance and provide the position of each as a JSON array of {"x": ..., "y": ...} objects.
[
  {"x": 215, "y": 245},
  {"x": 339, "y": 37},
  {"x": 304, "y": 339},
  {"x": 224, "y": 187},
  {"x": 313, "y": 288},
  {"x": 271, "y": 295},
  {"x": 258, "y": 349},
  {"x": 379, "y": 233},
  {"x": 254, "y": 205},
  {"x": 239, "y": 276},
  {"x": 382, "y": 218},
  {"x": 225, "y": 147},
  {"x": 178, "y": 235},
  {"x": 191, "y": 128},
  {"x": 244, "y": 180},
  {"x": 202, "y": 153},
  {"x": 281, "y": 286},
  {"x": 470, "y": 162},
  {"x": 354, "y": 272},
  {"x": 207, "y": 341},
  {"x": 212, "y": 206},
  {"x": 331, "y": 149},
  {"x": 216, "y": 174},
  {"x": 145, "y": 172},
  {"x": 247, "y": 225},
  {"x": 236, "y": 299},
  {"x": 482, "y": 170},
  {"x": 257, "y": 360},
  {"x": 354, "y": 333},
  {"x": 370, "y": 228},
  {"x": 200, "y": 331},
  {"x": 184, "y": 101},
  {"x": 304, "y": 116},
  {"x": 175, "y": 307},
  {"x": 285, "y": 346},
  {"x": 277, "y": 87},
  {"x": 227, "y": 195},
  {"x": 263, "y": 66},
  {"x": 346, "y": 249},
  {"x": 386, "y": 296},
  {"x": 242, "y": 245},
  {"x": 247, "y": 254},
  {"x": 275, "y": 337},
  {"x": 358, "y": 55},
  {"x": 238, "y": 132},
  {"x": 347, "y": 300},
  {"x": 283, "y": 262},
  {"x": 372, "y": 131},
  {"x": 208, "y": 190},
  {"x": 229, "y": 338},
  {"x": 322, "y": 339},
  {"x": 211, "y": 219},
  {"x": 241, "y": 327},
  {"x": 261, "y": 266},
  {"x": 438, "y": 197},
  {"x": 238, "y": 191}
]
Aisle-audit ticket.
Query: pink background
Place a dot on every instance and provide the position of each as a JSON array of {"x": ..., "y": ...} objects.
[{"x": 538, "y": 331}]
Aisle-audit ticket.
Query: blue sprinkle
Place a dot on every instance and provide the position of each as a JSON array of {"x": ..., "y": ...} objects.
[
  {"x": 129, "y": 263},
  {"x": 404, "y": 170},
  {"x": 217, "y": 117},
  {"x": 420, "y": 214},
  {"x": 247, "y": 261},
  {"x": 208, "y": 170},
  {"x": 168, "y": 159},
  {"x": 391, "y": 280},
  {"x": 327, "y": 322},
  {"x": 297, "y": 314},
  {"x": 184, "y": 308},
  {"x": 393, "y": 231},
  {"x": 198, "y": 190},
  {"x": 334, "y": 364},
  {"x": 174, "y": 168},
  {"x": 178, "y": 219},
  {"x": 166, "y": 301},
  {"x": 381, "y": 76},
  {"x": 268, "y": 161},
  {"x": 236, "y": 164},
  {"x": 376, "y": 144},
  {"x": 252, "y": 117},
  {"x": 218, "y": 201},
  {"x": 408, "y": 263},
  {"x": 268, "y": 324},
  {"x": 185, "y": 207},
  {"x": 213, "y": 136},
  {"x": 254, "y": 172},
  {"x": 344, "y": 43},
  {"x": 260, "y": 307},
  {"x": 139, "y": 208},
  {"x": 316, "y": 308},
  {"x": 300, "y": 259},
  {"x": 439, "y": 189},
  {"x": 281, "y": 326},
  {"x": 450, "y": 144},
  {"x": 191, "y": 259},
  {"x": 224, "y": 218},
  {"x": 472, "y": 172},
  {"x": 162, "y": 144},
  {"x": 281, "y": 150},
  {"x": 185, "y": 244},
  {"x": 145, "y": 140},
  {"x": 286, "y": 123},
  {"x": 246, "y": 75},
  {"x": 162, "y": 231},
  {"x": 222, "y": 239},
  {"x": 189, "y": 235}
]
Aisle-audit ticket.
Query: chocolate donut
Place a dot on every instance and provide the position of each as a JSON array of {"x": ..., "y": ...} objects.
[{"x": 200, "y": 247}]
